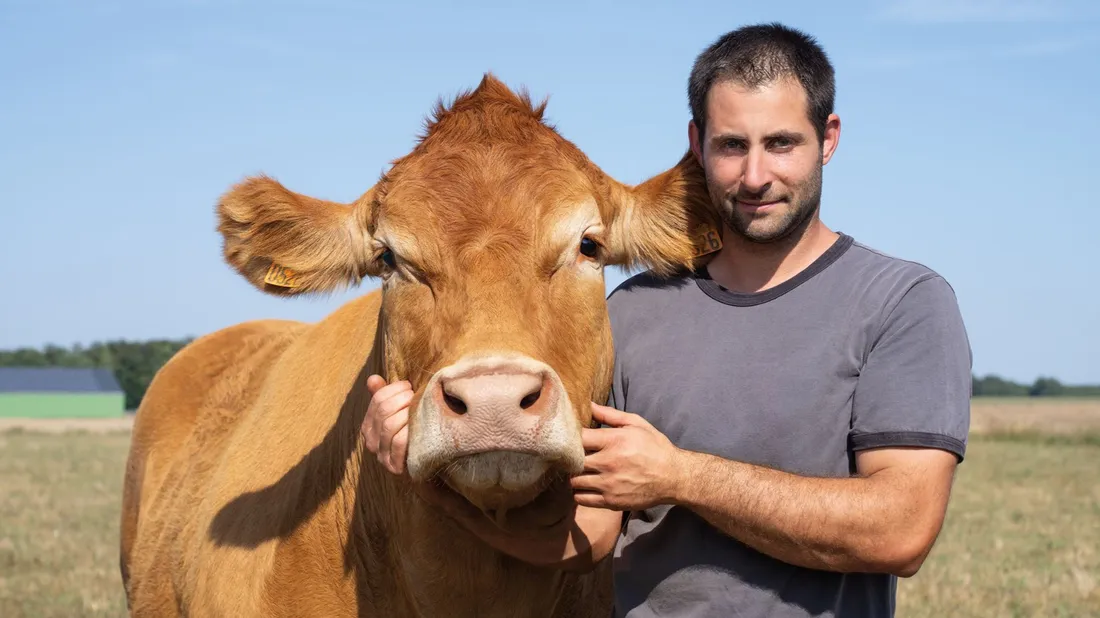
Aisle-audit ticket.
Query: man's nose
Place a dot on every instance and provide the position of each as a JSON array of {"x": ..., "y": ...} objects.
[{"x": 757, "y": 175}]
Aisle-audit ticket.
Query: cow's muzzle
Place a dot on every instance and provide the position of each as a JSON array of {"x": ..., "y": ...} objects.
[{"x": 497, "y": 429}]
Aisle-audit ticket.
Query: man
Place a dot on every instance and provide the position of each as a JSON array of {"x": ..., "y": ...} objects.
[{"x": 795, "y": 409}]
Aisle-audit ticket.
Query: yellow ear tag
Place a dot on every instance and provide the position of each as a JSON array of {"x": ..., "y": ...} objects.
[
  {"x": 706, "y": 240},
  {"x": 281, "y": 276}
]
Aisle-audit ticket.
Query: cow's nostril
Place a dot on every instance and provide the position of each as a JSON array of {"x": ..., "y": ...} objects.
[
  {"x": 530, "y": 399},
  {"x": 454, "y": 403}
]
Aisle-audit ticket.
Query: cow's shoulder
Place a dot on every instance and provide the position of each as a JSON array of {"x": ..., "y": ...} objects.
[{"x": 215, "y": 366}]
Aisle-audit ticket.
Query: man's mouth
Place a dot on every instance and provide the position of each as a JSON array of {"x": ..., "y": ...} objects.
[{"x": 756, "y": 205}]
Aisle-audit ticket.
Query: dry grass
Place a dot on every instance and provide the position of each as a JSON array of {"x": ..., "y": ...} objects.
[
  {"x": 1027, "y": 415},
  {"x": 1022, "y": 536},
  {"x": 59, "y": 524}
]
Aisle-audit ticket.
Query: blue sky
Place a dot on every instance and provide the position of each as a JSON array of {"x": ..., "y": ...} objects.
[{"x": 969, "y": 141}]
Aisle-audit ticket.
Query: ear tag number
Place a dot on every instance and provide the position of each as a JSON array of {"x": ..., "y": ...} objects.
[
  {"x": 281, "y": 276},
  {"x": 707, "y": 240}
]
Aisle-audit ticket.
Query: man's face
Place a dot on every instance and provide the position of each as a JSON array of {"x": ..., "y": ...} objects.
[{"x": 762, "y": 157}]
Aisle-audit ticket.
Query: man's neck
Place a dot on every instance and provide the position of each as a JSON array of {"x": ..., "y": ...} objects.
[{"x": 747, "y": 267}]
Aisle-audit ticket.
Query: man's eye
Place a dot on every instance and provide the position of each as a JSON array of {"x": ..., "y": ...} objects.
[{"x": 589, "y": 248}]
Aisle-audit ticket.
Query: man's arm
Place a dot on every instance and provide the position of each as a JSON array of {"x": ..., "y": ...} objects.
[{"x": 886, "y": 519}]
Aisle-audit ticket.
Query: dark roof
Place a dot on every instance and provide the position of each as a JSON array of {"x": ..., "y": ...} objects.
[{"x": 57, "y": 380}]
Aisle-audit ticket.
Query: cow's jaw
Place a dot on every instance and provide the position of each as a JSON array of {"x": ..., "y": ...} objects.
[{"x": 500, "y": 430}]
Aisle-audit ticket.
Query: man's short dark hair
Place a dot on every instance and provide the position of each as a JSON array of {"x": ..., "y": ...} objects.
[{"x": 757, "y": 55}]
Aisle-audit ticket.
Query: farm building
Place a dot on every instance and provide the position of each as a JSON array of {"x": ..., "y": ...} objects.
[{"x": 60, "y": 392}]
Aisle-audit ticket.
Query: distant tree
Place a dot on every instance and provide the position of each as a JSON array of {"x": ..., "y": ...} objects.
[
  {"x": 996, "y": 386},
  {"x": 1046, "y": 387},
  {"x": 1081, "y": 391},
  {"x": 23, "y": 357}
]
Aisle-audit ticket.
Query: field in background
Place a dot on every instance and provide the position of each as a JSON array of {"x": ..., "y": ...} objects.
[
  {"x": 59, "y": 524},
  {"x": 1022, "y": 537}
]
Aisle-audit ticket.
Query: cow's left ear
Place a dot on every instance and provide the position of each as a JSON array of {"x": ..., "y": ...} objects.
[
  {"x": 285, "y": 243},
  {"x": 664, "y": 224}
]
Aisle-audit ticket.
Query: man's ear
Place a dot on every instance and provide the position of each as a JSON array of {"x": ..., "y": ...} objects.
[
  {"x": 285, "y": 243},
  {"x": 666, "y": 223}
]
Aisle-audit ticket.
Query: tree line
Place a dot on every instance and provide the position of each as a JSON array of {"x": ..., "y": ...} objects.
[
  {"x": 134, "y": 364},
  {"x": 996, "y": 386}
]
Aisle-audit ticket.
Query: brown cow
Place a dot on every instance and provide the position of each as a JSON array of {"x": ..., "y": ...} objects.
[{"x": 248, "y": 491}]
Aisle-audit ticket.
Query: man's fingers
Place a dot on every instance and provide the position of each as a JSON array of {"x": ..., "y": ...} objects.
[
  {"x": 393, "y": 424},
  {"x": 592, "y": 500},
  {"x": 382, "y": 421},
  {"x": 615, "y": 418},
  {"x": 390, "y": 427},
  {"x": 389, "y": 390},
  {"x": 398, "y": 449},
  {"x": 397, "y": 403},
  {"x": 597, "y": 439},
  {"x": 588, "y": 490},
  {"x": 370, "y": 437},
  {"x": 586, "y": 482},
  {"x": 386, "y": 400}
]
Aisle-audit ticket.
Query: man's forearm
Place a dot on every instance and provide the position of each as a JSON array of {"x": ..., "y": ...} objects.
[{"x": 839, "y": 524}]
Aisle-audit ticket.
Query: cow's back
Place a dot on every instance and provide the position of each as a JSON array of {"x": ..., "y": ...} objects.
[{"x": 189, "y": 410}]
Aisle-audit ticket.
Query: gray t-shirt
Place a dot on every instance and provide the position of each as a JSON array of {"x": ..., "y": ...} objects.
[{"x": 860, "y": 350}]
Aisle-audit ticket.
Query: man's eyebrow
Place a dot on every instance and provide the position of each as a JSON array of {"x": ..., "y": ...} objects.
[
  {"x": 793, "y": 136},
  {"x": 722, "y": 137}
]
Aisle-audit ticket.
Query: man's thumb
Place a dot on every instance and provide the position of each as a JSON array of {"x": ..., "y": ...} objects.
[{"x": 375, "y": 383}]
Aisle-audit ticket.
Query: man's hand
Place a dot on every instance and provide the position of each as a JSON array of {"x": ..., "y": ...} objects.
[
  {"x": 386, "y": 425},
  {"x": 630, "y": 466}
]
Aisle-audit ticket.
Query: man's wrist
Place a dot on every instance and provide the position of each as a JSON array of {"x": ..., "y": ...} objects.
[{"x": 684, "y": 478}]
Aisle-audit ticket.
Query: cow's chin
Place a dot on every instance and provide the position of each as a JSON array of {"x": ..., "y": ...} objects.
[
  {"x": 498, "y": 480},
  {"x": 515, "y": 490}
]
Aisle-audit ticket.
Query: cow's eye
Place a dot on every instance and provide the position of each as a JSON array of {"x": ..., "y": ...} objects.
[
  {"x": 388, "y": 258},
  {"x": 589, "y": 248}
]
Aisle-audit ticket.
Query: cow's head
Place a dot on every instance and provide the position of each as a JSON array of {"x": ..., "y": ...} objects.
[{"x": 490, "y": 239}]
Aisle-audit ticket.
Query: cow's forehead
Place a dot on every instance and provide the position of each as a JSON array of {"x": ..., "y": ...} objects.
[
  {"x": 489, "y": 165},
  {"x": 487, "y": 184}
]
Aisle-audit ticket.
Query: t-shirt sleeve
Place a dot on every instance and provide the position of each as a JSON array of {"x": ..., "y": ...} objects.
[{"x": 915, "y": 385}]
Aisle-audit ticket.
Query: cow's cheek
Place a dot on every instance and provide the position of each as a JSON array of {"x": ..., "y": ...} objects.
[
  {"x": 575, "y": 337},
  {"x": 413, "y": 340}
]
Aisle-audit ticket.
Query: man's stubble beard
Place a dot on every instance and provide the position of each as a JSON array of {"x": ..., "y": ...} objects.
[{"x": 792, "y": 223}]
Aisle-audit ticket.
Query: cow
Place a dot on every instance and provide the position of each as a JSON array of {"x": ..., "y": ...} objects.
[{"x": 248, "y": 491}]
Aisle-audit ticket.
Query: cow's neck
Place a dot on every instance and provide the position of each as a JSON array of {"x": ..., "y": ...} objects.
[{"x": 428, "y": 551}]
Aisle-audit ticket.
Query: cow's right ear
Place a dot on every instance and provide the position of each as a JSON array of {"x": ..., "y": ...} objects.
[{"x": 285, "y": 243}]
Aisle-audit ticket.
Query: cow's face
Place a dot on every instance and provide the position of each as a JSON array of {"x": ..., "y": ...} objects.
[{"x": 490, "y": 240}]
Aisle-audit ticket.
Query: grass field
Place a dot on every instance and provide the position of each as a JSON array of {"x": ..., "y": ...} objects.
[{"x": 1022, "y": 537}]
